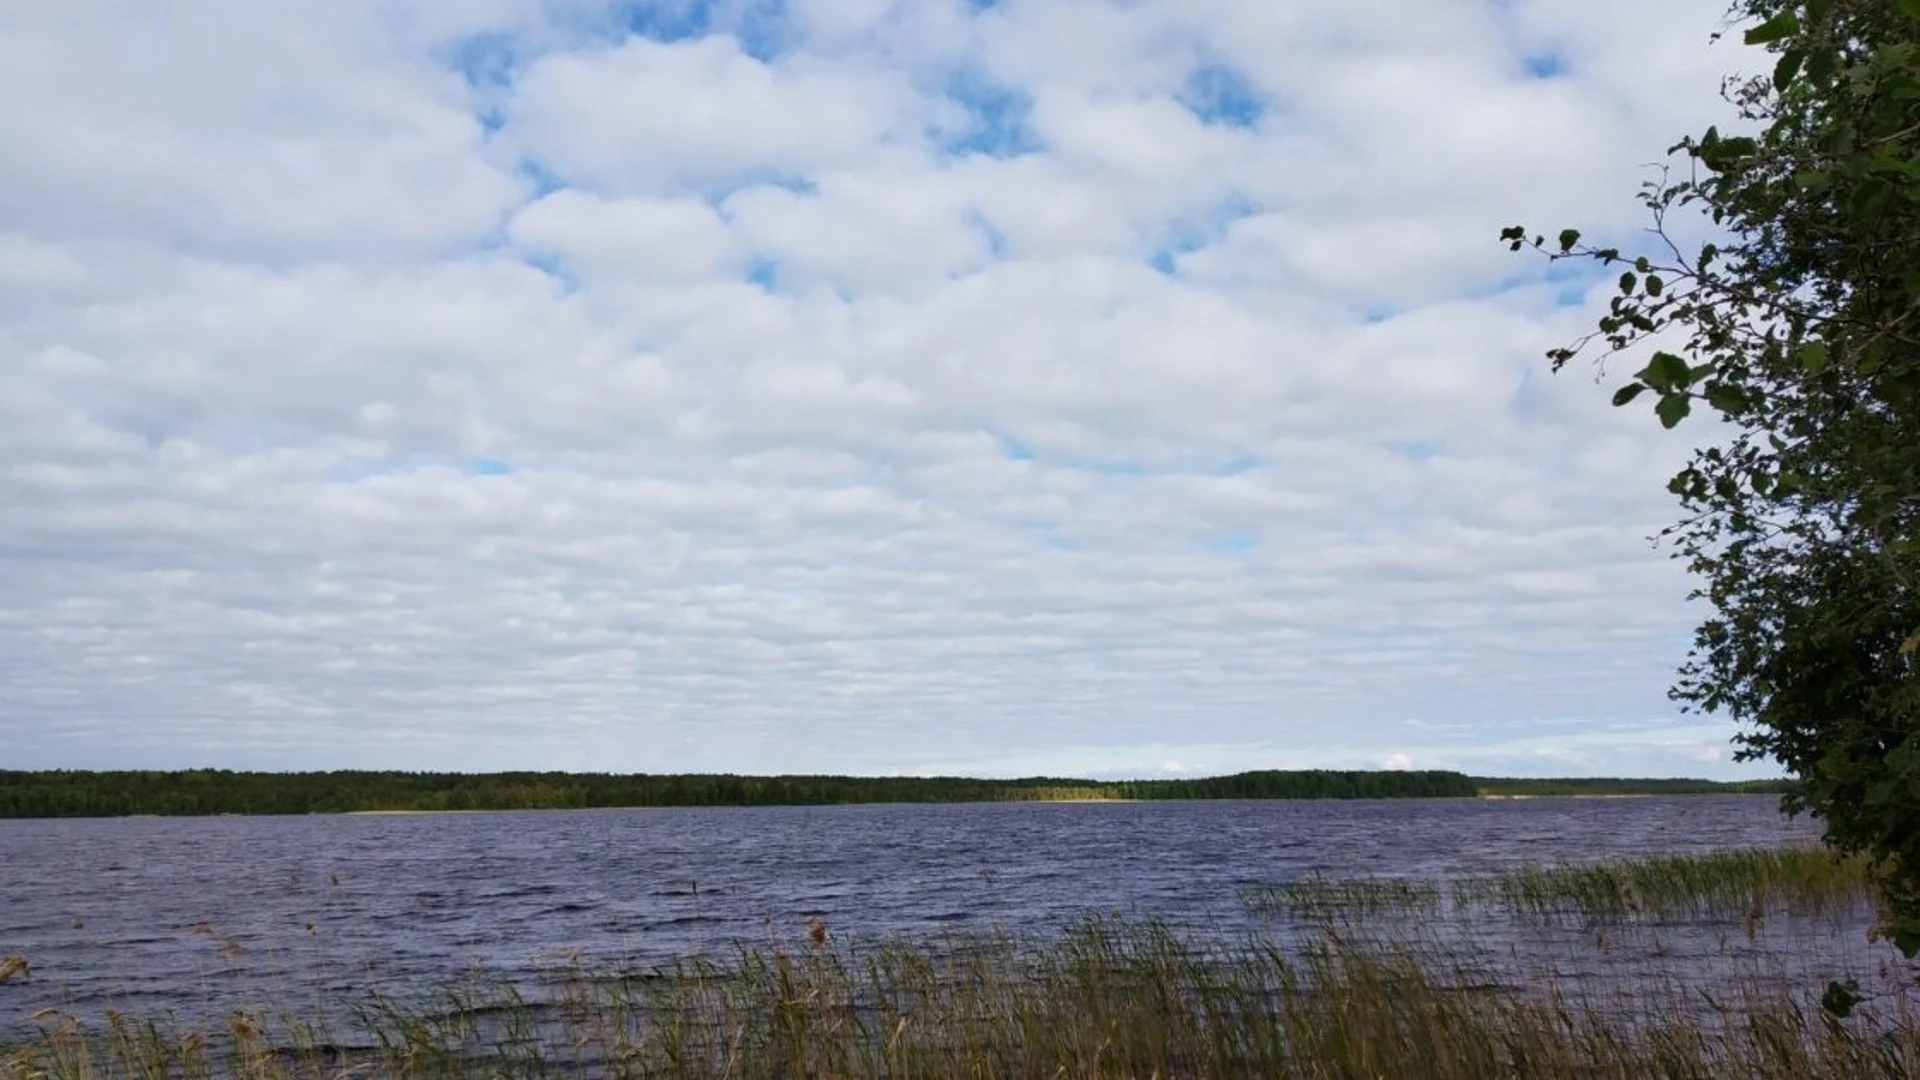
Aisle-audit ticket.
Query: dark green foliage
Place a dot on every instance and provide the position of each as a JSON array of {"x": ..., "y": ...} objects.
[
  {"x": 64, "y": 793},
  {"x": 1605, "y": 785},
  {"x": 1798, "y": 325},
  {"x": 1303, "y": 784}
]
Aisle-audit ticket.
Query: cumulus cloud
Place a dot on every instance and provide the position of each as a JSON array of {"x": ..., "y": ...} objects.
[{"x": 848, "y": 385}]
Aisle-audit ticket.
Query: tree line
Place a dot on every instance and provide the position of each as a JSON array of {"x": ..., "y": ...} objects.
[
  {"x": 72, "y": 793},
  {"x": 1586, "y": 785}
]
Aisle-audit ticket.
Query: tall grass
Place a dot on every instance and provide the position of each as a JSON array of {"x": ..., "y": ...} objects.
[
  {"x": 1801, "y": 881},
  {"x": 1322, "y": 898},
  {"x": 1734, "y": 885},
  {"x": 1105, "y": 999}
]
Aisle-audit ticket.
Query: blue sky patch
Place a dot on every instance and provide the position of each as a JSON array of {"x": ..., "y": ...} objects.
[
  {"x": 761, "y": 26},
  {"x": 997, "y": 117},
  {"x": 487, "y": 63},
  {"x": 666, "y": 20},
  {"x": 486, "y": 466},
  {"x": 1197, "y": 231},
  {"x": 1235, "y": 543},
  {"x": 1011, "y": 448},
  {"x": 1414, "y": 449},
  {"x": 554, "y": 267},
  {"x": 1545, "y": 65},
  {"x": 1221, "y": 95},
  {"x": 543, "y": 180},
  {"x": 996, "y": 240},
  {"x": 763, "y": 29},
  {"x": 764, "y": 273},
  {"x": 1048, "y": 535}
]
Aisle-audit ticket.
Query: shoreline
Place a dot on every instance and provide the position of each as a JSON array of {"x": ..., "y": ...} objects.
[{"x": 1101, "y": 800}]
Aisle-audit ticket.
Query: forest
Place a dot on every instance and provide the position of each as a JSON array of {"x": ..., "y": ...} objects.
[
  {"x": 72, "y": 793},
  {"x": 1597, "y": 786}
]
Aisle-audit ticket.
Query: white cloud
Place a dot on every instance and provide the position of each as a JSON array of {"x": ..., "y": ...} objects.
[
  {"x": 646, "y": 116},
  {"x": 895, "y": 387}
]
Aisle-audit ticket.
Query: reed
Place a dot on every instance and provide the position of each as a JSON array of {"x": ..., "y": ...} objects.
[
  {"x": 1326, "y": 898},
  {"x": 1731, "y": 884},
  {"x": 1103, "y": 999},
  {"x": 1364, "y": 993},
  {"x": 1743, "y": 884}
]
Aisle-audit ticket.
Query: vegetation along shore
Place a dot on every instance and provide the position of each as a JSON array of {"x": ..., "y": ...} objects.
[
  {"x": 69, "y": 793},
  {"x": 1362, "y": 980}
]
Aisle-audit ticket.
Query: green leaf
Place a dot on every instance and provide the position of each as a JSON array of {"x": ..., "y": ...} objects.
[
  {"x": 1672, "y": 409},
  {"x": 1820, "y": 65},
  {"x": 1568, "y": 238},
  {"x": 1627, "y": 282},
  {"x": 1628, "y": 393},
  {"x": 1666, "y": 372},
  {"x": 1654, "y": 285},
  {"x": 1908, "y": 8},
  {"x": 1773, "y": 29},
  {"x": 1813, "y": 357},
  {"x": 1789, "y": 66}
]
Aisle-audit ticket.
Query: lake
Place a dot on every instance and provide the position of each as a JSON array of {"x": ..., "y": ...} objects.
[{"x": 179, "y": 913}]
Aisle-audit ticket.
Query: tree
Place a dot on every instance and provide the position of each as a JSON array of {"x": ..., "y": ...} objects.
[{"x": 1798, "y": 325}]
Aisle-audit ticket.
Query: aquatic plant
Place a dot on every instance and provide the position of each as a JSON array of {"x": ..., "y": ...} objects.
[
  {"x": 1745, "y": 884},
  {"x": 1736, "y": 884},
  {"x": 1104, "y": 999},
  {"x": 1320, "y": 897}
]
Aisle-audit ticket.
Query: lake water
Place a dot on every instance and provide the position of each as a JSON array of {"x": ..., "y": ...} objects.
[{"x": 178, "y": 913}]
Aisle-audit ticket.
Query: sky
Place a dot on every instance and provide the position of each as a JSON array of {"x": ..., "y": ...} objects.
[{"x": 1035, "y": 387}]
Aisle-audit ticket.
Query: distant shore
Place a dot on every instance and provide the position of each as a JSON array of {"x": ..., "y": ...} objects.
[
  {"x": 1496, "y": 797},
  {"x": 72, "y": 793}
]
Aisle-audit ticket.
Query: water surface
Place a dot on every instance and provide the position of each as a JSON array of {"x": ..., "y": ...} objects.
[{"x": 178, "y": 913}]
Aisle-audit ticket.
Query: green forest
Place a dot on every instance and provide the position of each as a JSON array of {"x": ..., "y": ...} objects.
[
  {"x": 1510, "y": 787},
  {"x": 66, "y": 793}
]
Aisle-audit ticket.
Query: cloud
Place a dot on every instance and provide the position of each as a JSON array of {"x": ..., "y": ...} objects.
[
  {"x": 647, "y": 116},
  {"x": 865, "y": 387}
]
